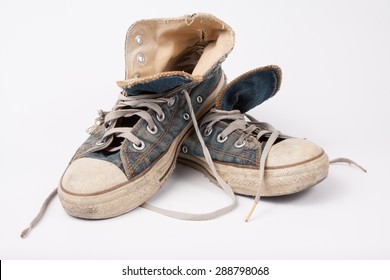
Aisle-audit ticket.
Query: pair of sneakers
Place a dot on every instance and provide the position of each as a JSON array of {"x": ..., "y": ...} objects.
[{"x": 173, "y": 79}]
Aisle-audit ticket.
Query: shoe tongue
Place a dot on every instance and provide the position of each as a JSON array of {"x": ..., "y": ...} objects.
[
  {"x": 250, "y": 89},
  {"x": 159, "y": 83}
]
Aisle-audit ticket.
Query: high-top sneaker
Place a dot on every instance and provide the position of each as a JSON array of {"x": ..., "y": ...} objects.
[{"x": 172, "y": 67}]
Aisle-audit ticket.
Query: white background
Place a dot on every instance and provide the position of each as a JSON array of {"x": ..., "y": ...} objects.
[{"x": 59, "y": 62}]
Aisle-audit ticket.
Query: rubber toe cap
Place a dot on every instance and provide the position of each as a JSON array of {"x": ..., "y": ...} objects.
[
  {"x": 91, "y": 176},
  {"x": 293, "y": 151}
]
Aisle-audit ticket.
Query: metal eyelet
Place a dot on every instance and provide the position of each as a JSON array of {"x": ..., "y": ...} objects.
[
  {"x": 138, "y": 39},
  {"x": 160, "y": 118},
  {"x": 152, "y": 131},
  {"x": 208, "y": 131},
  {"x": 184, "y": 149},
  {"x": 239, "y": 145},
  {"x": 100, "y": 142},
  {"x": 107, "y": 126},
  {"x": 186, "y": 116},
  {"x": 140, "y": 147},
  {"x": 199, "y": 99},
  {"x": 171, "y": 101},
  {"x": 141, "y": 58},
  {"x": 220, "y": 139}
]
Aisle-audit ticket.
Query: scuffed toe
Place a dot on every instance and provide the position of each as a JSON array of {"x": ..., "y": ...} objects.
[
  {"x": 90, "y": 176},
  {"x": 292, "y": 152}
]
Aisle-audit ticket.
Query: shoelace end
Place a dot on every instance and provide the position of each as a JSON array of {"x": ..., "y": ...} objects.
[
  {"x": 251, "y": 211},
  {"x": 25, "y": 232},
  {"x": 348, "y": 161},
  {"x": 40, "y": 214}
]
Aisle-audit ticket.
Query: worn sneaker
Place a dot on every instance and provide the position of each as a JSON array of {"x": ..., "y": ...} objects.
[
  {"x": 171, "y": 65},
  {"x": 252, "y": 157},
  {"x": 173, "y": 76}
]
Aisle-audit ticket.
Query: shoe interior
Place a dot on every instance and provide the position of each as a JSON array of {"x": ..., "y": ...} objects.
[{"x": 192, "y": 44}]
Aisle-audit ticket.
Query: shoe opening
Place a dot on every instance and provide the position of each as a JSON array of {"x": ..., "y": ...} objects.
[{"x": 192, "y": 44}]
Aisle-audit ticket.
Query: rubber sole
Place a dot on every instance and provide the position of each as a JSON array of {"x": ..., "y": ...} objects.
[
  {"x": 277, "y": 181},
  {"x": 123, "y": 198}
]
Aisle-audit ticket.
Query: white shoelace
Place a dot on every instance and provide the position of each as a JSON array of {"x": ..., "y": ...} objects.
[
  {"x": 226, "y": 187},
  {"x": 150, "y": 101},
  {"x": 255, "y": 129},
  {"x": 249, "y": 129},
  {"x": 347, "y": 161},
  {"x": 127, "y": 107}
]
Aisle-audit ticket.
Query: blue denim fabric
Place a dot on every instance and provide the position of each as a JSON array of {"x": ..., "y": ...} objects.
[
  {"x": 133, "y": 162},
  {"x": 244, "y": 93},
  {"x": 226, "y": 151},
  {"x": 250, "y": 89},
  {"x": 161, "y": 85}
]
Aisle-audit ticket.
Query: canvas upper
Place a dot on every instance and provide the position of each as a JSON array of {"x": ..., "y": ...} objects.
[
  {"x": 253, "y": 157},
  {"x": 165, "y": 59}
]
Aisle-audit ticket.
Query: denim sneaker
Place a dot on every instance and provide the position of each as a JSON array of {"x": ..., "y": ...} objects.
[
  {"x": 173, "y": 76},
  {"x": 133, "y": 148},
  {"x": 252, "y": 157}
]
